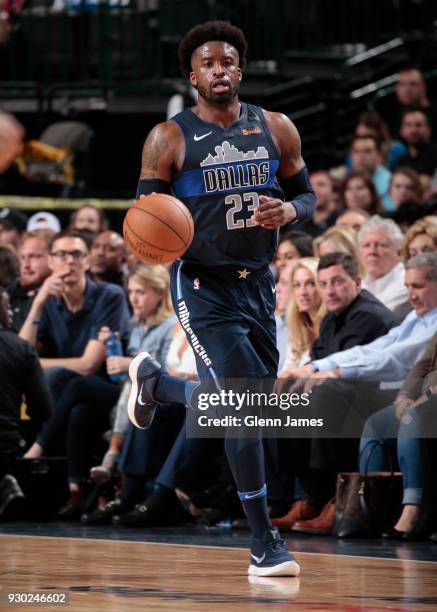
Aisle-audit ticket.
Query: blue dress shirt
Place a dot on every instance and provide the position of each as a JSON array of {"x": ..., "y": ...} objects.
[{"x": 389, "y": 357}]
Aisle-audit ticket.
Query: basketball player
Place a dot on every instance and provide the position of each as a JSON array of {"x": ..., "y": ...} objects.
[{"x": 240, "y": 172}]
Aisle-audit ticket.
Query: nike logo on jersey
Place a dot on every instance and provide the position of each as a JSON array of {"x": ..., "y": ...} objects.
[
  {"x": 197, "y": 138},
  {"x": 259, "y": 559},
  {"x": 140, "y": 401}
]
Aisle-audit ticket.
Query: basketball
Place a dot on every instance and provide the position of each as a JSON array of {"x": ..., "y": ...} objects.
[{"x": 158, "y": 228}]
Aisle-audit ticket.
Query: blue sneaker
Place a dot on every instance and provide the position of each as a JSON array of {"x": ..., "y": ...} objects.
[
  {"x": 144, "y": 372},
  {"x": 269, "y": 557}
]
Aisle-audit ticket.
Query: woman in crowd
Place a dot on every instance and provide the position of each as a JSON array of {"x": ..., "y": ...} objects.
[
  {"x": 180, "y": 362},
  {"x": 89, "y": 219},
  {"x": 338, "y": 240},
  {"x": 292, "y": 246},
  {"x": 420, "y": 238},
  {"x": 405, "y": 186},
  {"x": 84, "y": 415},
  {"x": 354, "y": 219},
  {"x": 358, "y": 191},
  {"x": 304, "y": 313}
]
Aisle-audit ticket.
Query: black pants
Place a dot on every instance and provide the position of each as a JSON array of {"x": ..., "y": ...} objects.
[
  {"x": 9, "y": 451},
  {"x": 80, "y": 418},
  {"x": 316, "y": 461}
]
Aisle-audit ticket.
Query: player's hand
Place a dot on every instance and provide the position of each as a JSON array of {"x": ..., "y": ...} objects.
[
  {"x": 273, "y": 213},
  {"x": 117, "y": 364},
  {"x": 52, "y": 287}
]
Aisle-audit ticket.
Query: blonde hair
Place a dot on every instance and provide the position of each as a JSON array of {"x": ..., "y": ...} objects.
[
  {"x": 427, "y": 225},
  {"x": 344, "y": 240},
  {"x": 300, "y": 325},
  {"x": 155, "y": 276}
]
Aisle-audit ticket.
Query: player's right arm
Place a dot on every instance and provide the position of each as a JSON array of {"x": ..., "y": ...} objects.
[{"x": 162, "y": 156}]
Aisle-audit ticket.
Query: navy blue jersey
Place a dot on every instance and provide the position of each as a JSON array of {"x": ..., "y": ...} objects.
[{"x": 223, "y": 174}]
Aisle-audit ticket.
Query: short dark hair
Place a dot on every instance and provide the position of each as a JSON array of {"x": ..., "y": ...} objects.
[
  {"x": 377, "y": 142},
  {"x": 68, "y": 234},
  {"x": 348, "y": 262},
  {"x": 205, "y": 32},
  {"x": 415, "y": 109},
  {"x": 301, "y": 241}
]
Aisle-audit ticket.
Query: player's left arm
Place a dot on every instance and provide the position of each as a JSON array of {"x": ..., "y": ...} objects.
[{"x": 300, "y": 199}]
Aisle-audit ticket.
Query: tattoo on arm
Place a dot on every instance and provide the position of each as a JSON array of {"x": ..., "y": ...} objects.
[{"x": 154, "y": 148}]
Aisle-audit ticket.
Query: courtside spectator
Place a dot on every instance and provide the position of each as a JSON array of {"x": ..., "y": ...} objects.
[
  {"x": 304, "y": 312},
  {"x": 411, "y": 92},
  {"x": 20, "y": 373},
  {"x": 357, "y": 192},
  {"x": 354, "y": 219},
  {"x": 45, "y": 221},
  {"x": 399, "y": 427},
  {"x": 327, "y": 207},
  {"x": 107, "y": 257},
  {"x": 380, "y": 241},
  {"x": 365, "y": 152},
  {"x": 292, "y": 246},
  {"x": 388, "y": 358},
  {"x": 421, "y": 153},
  {"x": 13, "y": 224},
  {"x": 9, "y": 265},
  {"x": 372, "y": 124},
  {"x": 34, "y": 269},
  {"x": 68, "y": 312},
  {"x": 405, "y": 186},
  {"x": 339, "y": 240},
  {"x": 353, "y": 316},
  {"x": 88, "y": 218},
  {"x": 420, "y": 238}
]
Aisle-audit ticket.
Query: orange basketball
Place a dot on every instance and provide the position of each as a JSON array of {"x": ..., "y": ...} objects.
[{"x": 158, "y": 228}]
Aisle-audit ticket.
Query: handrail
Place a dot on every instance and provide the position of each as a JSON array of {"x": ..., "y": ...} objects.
[
  {"x": 371, "y": 87},
  {"x": 375, "y": 51}
]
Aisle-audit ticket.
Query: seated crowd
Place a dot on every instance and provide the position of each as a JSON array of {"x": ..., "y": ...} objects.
[{"x": 356, "y": 318}]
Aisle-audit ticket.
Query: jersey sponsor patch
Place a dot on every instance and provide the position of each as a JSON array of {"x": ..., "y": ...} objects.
[{"x": 251, "y": 131}]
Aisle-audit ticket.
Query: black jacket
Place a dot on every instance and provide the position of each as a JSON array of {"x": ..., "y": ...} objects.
[
  {"x": 21, "y": 301},
  {"x": 364, "y": 320},
  {"x": 20, "y": 374}
]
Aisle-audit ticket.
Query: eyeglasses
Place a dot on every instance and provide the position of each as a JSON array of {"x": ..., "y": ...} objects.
[{"x": 63, "y": 255}]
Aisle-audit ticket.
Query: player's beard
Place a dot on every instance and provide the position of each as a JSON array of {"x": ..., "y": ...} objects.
[{"x": 221, "y": 98}]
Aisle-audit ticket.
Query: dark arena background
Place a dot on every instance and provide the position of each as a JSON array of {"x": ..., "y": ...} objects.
[{"x": 87, "y": 80}]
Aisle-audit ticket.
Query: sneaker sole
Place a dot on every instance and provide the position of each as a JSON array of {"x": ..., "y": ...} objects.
[
  {"x": 132, "y": 401},
  {"x": 288, "y": 568}
]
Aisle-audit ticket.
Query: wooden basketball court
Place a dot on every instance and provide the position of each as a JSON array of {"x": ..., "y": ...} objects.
[{"x": 117, "y": 575}]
